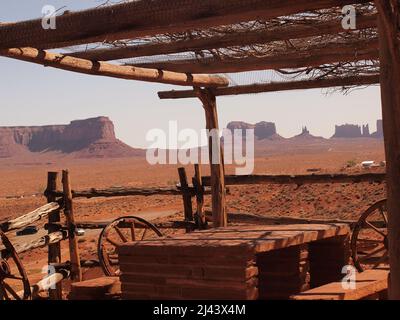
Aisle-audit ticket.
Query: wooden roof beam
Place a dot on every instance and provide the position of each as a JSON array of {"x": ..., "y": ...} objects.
[
  {"x": 314, "y": 56},
  {"x": 63, "y": 62},
  {"x": 135, "y": 19},
  {"x": 235, "y": 39},
  {"x": 278, "y": 86}
]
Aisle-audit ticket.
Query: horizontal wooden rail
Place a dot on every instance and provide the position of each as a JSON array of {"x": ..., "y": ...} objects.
[
  {"x": 42, "y": 242},
  {"x": 240, "y": 38},
  {"x": 129, "y": 20},
  {"x": 30, "y": 217},
  {"x": 128, "y": 191},
  {"x": 105, "y": 69},
  {"x": 93, "y": 225},
  {"x": 278, "y": 86},
  {"x": 300, "y": 179},
  {"x": 46, "y": 283},
  {"x": 312, "y": 56}
]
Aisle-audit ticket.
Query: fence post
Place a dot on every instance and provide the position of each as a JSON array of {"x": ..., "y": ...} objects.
[
  {"x": 198, "y": 185},
  {"x": 54, "y": 252},
  {"x": 187, "y": 198},
  {"x": 76, "y": 272}
]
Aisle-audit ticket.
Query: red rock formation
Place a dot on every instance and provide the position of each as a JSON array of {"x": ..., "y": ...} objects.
[
  {"x": 84, "y": 138},
  {"x": 379, "y": 130},
  {"x": 262, "y": 130},
  {"x": 347, "y": 131}
]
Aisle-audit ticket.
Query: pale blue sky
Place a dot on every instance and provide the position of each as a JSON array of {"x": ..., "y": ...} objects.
[{"x": 34, "y": 95}]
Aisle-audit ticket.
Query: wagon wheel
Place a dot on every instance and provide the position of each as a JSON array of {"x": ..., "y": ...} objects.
[
  {"x": 14, "y": 283},
  {"x": 120, "y": 231},
  {"x": 369, "y": 242}
]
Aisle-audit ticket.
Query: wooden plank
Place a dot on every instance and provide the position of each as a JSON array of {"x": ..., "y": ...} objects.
[
  {"x": 244, "y": 240},
  {"x": 63, "y": 62},
  {"x": 47, "y": 240},
  {"x": 54, "y": 251},
  {"x": 76, "y": 272},
  {"x": 300, "y": 179},
  {"x": 129, "y": 191},
  {"x": 241, "y": 38},
  {"x": 135, "y": 19},
  {"x": 218, "y": 191},
  {"x": 368, "y": 283},
  {"x": 312, "y": 56},
  {"x": 390, "y": 94},
  {"x": 278, "y": 86},
  {"x": 186, "y": 196},
  {"x": 30, "y": 217}
]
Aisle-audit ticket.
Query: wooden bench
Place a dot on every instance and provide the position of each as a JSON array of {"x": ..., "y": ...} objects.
[
  {"x": 104, "y": 288},
  {"x": 370, "y": 284}
]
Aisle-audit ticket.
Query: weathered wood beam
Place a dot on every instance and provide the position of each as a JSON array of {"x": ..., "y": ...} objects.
[
  {"x": 143, "y": 18},
  {"x": 46, "y": 283},
  {"x": 54, "y": 251},
  {"x": 390, "y": 79},
  {"x": 186, "y": 194},
  {"x": 278, "y": 86},
  {"x": 76, "y": 271},
  {"x": 223, "y": 41},
  {"x": 30, "y": 217},
  {"x": 310, "y": 57},
  {"x": 217, "y": 180},
  {"x": 300, "y": 179},
  {"x": 42, "y": 242},
  {"x": 59, "y": 61}
]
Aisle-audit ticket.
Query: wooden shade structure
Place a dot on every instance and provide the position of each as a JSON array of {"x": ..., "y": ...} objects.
[{"x": 305, "y": 45}]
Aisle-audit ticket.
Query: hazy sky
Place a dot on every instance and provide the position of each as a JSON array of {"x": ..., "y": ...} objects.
[{"x": 34, "y": 95}]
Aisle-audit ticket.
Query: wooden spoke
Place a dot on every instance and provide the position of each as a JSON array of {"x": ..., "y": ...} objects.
[
  {"x": 383, "y": 213},
  {"x": 375, "y": 228},
  {"x": 11, "y": 291},
  {"x": 11, "y": 276},
  {"x": 121, "y": 235},
  {"x": 370, "y": 240},
  {"x": 373, "y": 253},
  {"x": 3, "y": 292},
  {"x": 381, "y": 260},
  {"x": 144, "y": 234},
  {"x": 133, "y": 235},
  {"x": 114, "y": 243}
]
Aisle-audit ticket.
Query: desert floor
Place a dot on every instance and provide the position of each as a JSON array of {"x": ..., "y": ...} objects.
[{"x": 23, "y": 182}]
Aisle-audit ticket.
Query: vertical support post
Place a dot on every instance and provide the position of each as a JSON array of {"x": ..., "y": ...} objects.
[
  {"x": 207, "y": 97},
  {"x": 76, "y": 272},
  {"x": 198, "y": 185},
  {"x": 187, "y": 198},
  {"x": 54, "y": 252},
  {"x": 388, "y": 24}
]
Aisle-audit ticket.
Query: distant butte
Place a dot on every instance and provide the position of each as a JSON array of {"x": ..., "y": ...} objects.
[
  {"x": 267, "y": 131},
  {"x": 90, "y": 138}
]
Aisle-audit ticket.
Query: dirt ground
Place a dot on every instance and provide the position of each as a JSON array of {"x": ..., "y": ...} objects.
[{"x": 22, "y": 184}]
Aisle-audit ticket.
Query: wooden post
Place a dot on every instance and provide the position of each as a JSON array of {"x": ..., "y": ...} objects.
[
  {"x": 76, "y": 272},
  {"x": 187, "y": 198},
  {"x": 198, "y": 185},
  {"x": 390, "y": 80},
  {"x": 208, "y": 99},
  {"x": 54, "y": 253}
]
